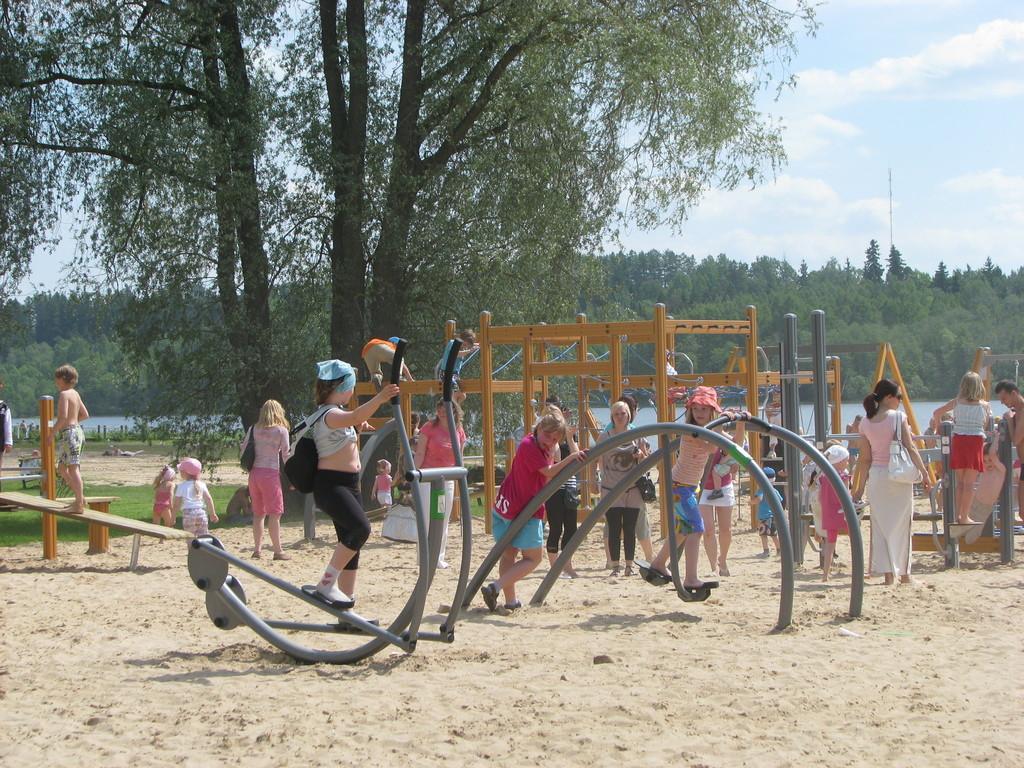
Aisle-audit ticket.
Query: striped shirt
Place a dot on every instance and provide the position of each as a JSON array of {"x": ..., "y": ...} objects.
[
  {"x": 693, "y": 456},
  {"x": 970, "y": 418}
]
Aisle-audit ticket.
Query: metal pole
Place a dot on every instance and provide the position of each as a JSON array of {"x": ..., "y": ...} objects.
[
  {"x": 948, "y": 499},
  {"x": 820, "y": 384},
  {"x": 1006, "y": 495},
  {"x": 791, "y": 421},
  {"x": 308, "y": 518}
]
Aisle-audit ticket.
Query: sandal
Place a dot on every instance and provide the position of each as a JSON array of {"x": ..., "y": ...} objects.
[
  {"x": 255, "y": 554},
  {"x": 490, "y": 596},
  {"x": 629, "y": 571},
  {"x": 282, "y": 556},
  {"x": 514, "y": 605}
]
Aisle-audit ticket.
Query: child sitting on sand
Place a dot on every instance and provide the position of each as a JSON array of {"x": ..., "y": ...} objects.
[
  {"x": 163, "y": 487},
  {"x": 534, "y": 464},
  {"x": 765, "y": 519},
  {"x": 833, "y": 519},
  {"x": 192, "y": 499}
]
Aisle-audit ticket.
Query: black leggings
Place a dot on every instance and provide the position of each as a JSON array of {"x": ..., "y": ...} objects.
[
  {"x": 561, "y": 521},
  {"x": 622, "y": 525},
  {"x": 337, "y": 495}
]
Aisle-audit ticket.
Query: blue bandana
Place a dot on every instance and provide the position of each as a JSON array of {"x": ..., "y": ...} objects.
[
  {"x": 332, "y": 370},
  {"x": 394, "y": 339}
]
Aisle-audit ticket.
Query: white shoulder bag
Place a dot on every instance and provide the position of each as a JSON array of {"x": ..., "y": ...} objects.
[{"x": 901, "y": 468}]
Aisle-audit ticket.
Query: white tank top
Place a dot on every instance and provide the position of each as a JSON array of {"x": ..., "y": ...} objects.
[{"x": 970, "y": 419}]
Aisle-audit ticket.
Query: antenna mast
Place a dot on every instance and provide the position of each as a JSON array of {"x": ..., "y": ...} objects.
[{"x": 890, "y": 209}]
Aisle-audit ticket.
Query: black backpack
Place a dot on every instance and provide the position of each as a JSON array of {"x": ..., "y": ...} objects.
[{"x": 301, "y": 464}]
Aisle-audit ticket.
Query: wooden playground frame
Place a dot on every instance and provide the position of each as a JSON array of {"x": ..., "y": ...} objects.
[{"x": 661, "y": 331}]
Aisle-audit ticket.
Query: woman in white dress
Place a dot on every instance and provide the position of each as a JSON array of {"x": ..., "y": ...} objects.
[{"x": 892, "y": 503}]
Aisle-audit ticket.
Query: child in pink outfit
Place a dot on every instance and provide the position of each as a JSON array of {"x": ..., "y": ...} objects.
[
  {"x": 382, "y": 485},
  {"x": 270, "y": 436},
  {"x": 833, "y": 519}
]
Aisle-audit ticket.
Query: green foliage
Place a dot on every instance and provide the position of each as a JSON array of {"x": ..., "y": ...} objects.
[
  {"x": 872, "y": 263},
  {"x": 934, "y": 331}
]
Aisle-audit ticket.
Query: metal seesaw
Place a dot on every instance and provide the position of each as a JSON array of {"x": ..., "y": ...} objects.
[{"x": 226, "y": 603}]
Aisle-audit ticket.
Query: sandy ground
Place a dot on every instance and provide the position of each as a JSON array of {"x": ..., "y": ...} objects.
[
  {"x": 99, "y": 665},
  {"x": 138, "y": 470}
]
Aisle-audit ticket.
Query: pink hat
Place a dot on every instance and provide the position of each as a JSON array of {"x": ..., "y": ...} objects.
[
  {"x": 191, "y": 466},
  {"x": 704, "y": 396},
  {"x": 168, "y": 473}
]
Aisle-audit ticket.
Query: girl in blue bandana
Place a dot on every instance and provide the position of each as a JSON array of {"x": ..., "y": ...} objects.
[{"x": 336, "y": 486}]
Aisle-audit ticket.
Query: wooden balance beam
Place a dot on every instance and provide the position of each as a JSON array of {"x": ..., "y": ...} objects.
[{"x": 98, "y": 518}]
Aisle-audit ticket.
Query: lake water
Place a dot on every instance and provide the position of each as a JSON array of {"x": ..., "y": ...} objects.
[
  {"x": 922, "y": 410},
  {"x": 646, "y": 415}
]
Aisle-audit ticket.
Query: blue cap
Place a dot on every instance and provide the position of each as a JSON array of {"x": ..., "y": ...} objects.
[
  {"x": 332, "y": 370},
  {"x": 394, "y": 339},
  {"x": 769, "y": 471}
]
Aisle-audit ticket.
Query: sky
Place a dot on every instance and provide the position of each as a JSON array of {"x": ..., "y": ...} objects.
[{"x": 931, "y": 90}]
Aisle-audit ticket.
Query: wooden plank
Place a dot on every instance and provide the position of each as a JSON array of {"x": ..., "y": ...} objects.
[
  {"x": 55, "y": 507},
  {"x": 923, "y": 542}
]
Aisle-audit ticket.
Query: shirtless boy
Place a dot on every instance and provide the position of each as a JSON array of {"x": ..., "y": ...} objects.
[
  {"x": 71, "y": 411},
  {"x": 1009, "y": 395}
]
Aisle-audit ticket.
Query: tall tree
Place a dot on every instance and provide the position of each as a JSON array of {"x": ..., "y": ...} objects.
[
  {"x": 897, "y": 268},
  {"x": 873, "y": 271},
  {"x": 499, "y": 154},
  {"x": 160, "y": 129},
  {"x": 941, "y": 277}
]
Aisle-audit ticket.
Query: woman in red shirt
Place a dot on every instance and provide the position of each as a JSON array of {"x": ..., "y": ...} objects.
[{"x": 434, "y": 449}]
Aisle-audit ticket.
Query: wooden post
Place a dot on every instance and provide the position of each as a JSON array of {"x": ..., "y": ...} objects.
[
  {"x": 48, "y": 484},
  {"x": 527, "y": 384},
  {"x": 661, "y": 394},
  {"x": 99, "y": 535},
  {"x": 582, "y": 411},
  {"x": 615, "y": 357},
  {"x": 487, "y": 415},
  {"x": 753, "y": 402},
  {"x": 837, "y": 396}
]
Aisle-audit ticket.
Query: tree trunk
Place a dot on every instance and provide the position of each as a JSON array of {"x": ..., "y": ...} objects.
[
  {"x": 240, "y": 228},
  {"x": 347, "y": 118}
]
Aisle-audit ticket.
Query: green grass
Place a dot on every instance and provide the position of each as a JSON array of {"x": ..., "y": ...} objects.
[{"x": 136, "y": 502}]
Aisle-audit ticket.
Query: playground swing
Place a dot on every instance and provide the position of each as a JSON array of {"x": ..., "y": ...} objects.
[{"x": 226, "y": 602}]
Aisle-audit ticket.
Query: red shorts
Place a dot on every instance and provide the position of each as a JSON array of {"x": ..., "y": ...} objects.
[
  {"x": 967, "y": 452},
  {"x": 265, "y": 492}
]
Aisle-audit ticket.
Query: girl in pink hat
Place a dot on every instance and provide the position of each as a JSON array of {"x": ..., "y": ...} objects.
[
  {"x": 701, "y": 408},
  {"x": 192, "y": 498}
]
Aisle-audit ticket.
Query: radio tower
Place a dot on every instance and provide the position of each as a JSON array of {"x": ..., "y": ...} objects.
[{"x": 890, "y": 209}]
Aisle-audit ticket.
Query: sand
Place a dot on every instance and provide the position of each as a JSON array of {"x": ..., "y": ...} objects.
[{"x": 99, "y": 665}]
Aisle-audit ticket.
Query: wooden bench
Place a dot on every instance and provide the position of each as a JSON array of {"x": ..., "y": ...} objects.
[{"x": 99, "y": 520}]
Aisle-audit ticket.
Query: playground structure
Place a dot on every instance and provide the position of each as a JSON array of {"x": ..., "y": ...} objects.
[
  {"x": 226, "y": 600},
  {"x": 594, "y": 354},
  {"x": 97, "y": 516}
]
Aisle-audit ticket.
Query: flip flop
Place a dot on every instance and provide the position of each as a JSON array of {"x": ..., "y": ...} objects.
[
  {"x": 490, "y": 596},
  {"x": 650, "y": 575},
  {"x": 968, "y": 531},
  {"x": 695, "y": 594},
  {"x": 342, "y": 605}
]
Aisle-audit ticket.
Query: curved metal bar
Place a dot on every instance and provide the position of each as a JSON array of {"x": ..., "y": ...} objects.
[
  {"x": 409, "y": 617},
  {"x": 386, "y": 430},
  {"x": 756, "y": 424},
  {"x": 593, "y": 454},
  {"x": 448, "y": 628}
]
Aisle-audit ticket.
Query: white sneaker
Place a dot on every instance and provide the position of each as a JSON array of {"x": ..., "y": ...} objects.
[
  {"x": 443, "y": 564},
  {"x": 334, "y": 595}
]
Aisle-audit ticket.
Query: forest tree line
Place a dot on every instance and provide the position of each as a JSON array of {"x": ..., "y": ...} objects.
[{"x": 934, "y": 321}]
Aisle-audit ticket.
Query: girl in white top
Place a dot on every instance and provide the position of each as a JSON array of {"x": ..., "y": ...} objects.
[
  {"x": 972, "y": 420},
  {"x": 192, "y": 499}
]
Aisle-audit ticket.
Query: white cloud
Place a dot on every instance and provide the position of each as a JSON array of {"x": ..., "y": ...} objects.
[
  {"x": 1002, "y": 196},
  {"x": 808, "y": 135},
  {"x": 932, "y": 73}
]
